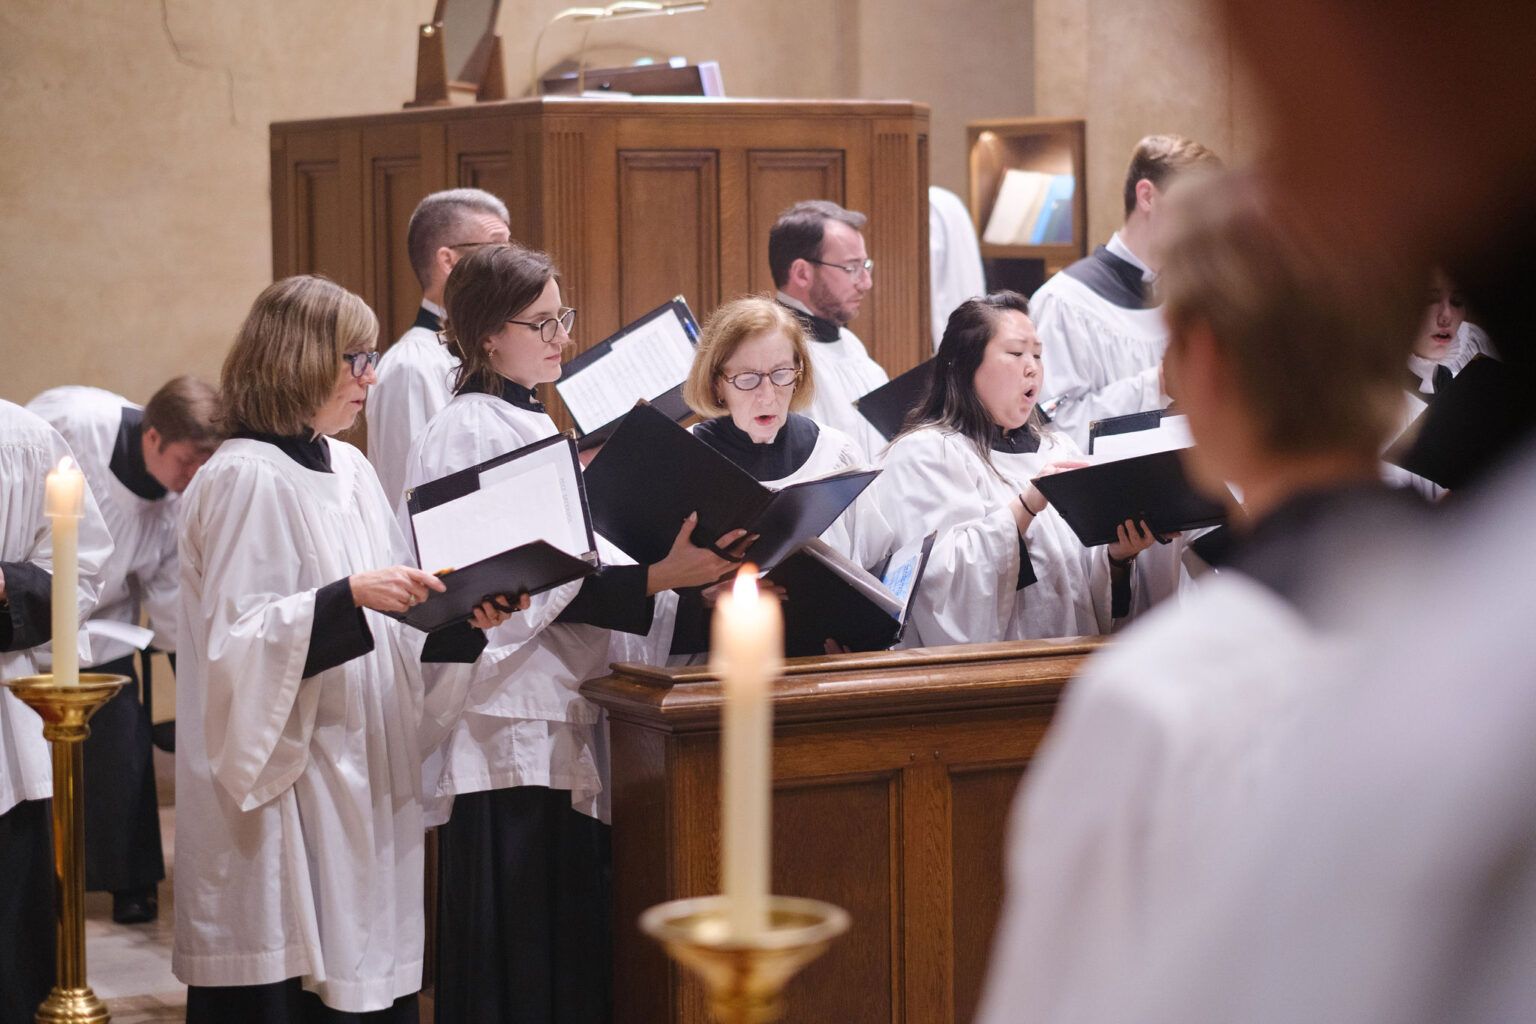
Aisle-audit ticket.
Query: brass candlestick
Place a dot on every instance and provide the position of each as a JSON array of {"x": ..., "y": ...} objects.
[
  {"x": 745, "y": 976},
  {"x": 65, "y": 709}
]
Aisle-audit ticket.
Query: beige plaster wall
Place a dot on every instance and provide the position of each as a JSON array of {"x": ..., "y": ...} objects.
[
  {"x": 1133, "y": 69},
  {"x": 134, "y": 223}
]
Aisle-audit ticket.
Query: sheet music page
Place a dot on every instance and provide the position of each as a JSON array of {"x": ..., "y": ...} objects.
[
  {"x": 1169, "y": 435},
  {"x": 536, "y": 497},
  {"x": 643, "y": 364}
]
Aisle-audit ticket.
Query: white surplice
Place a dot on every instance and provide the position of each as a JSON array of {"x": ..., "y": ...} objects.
[
  {"x": 955, "y": 271},
  {"x": 29, "y": 448},
  {"x": 299, "y": 820},
  {"x": 844, "y": 372},
  {"x": 141, "y": 575},
  {"x": 935, "y": 479},
  {"x": 1154, "y": 753},
  {"x": 1101, "y": 360},
  {"x": 415, "y": 381},
  {"x": 524, "y": 721}
]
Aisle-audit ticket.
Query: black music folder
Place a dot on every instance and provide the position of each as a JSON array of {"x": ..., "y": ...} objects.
[
  {"x": 517, "y": 523},
  {"x": 829, "y": 597},
  {"x": 1469, "y": 423},
  {"x": 888, "y": 406},
  {"x": 645, "y": 360},
  {"x": 653, "y": 472}
]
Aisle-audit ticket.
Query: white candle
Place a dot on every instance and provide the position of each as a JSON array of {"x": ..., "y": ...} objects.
[
  {"x": 64, "y": 505},
  {"x": 747, "y": 654}
]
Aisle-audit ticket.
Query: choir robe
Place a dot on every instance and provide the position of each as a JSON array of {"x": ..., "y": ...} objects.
[
  {"x": 980, "y": 585},
  {"x": 520, "y": 782},
  {"x": 122, "y": 821},
  {"x": 302, "y": 725},
  {"x": 1158, "y": 750},
  {"x": 955, "y": 270},
  {"x": 803, "y": 450},
  {"x": 415, "y": 381},
  {"x": 1424, "y": 378},
  {"x": 844, "y": 372},
  {"x": 29, "y": 448}
]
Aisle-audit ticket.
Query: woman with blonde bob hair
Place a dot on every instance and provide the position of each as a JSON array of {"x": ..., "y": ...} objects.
[{"x": 299, "y": 858}]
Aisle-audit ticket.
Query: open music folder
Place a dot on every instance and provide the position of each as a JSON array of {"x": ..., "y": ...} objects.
[
  {"x": 646, "y": 360},
  {"x": 652, "y": 473},
  {"x": 831, "y": 598},
  {"x": 518, "y": 523},
  {"x": 1138, "y": 474},
  {"x": 887, "y": 406},
  {"x": 1466, "y": 426}
]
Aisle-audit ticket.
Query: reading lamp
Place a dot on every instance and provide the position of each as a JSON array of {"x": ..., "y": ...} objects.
[{"x": 613, "y": 12}]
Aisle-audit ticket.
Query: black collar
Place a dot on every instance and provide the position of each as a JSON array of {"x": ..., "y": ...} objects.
[
  {"x": 127, "y": 462},
  {"x": 1023, "y": 441},
  {"x": 1112, "y": 279},
  {"x": 818, "y": 327},
  {"x": 428, "y": 319},
  {"x": 775, "y": 460},
  {"x": 308, "y": 451},
  {"x": 523, "y": 398}
]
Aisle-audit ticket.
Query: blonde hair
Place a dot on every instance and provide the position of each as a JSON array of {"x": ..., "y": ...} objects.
[
  {"x": 286, "y": 359},
  {"x": 1316, "y": 339},
  {"x": 723, "y": 333},
  {"x": 1161, "y": 158}
]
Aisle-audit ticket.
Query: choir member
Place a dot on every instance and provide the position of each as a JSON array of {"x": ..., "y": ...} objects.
[
  {"x": 303, "y": 707},
  {"x": 415, "y": 376},
  {"x": 523, "y": 912},
  {"x": 1005, "y": 565},
  {"x": 1162, "y": 741},
  {"x": 137, "y": 461},
  {"x": 955, "y": 270},
  {"x": 29, "y": 449},
  {"x": 822, "y": 271},
  {"x": 1446, "y": 341}
]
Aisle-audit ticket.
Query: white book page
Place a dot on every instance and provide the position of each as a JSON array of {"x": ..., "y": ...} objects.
[
  {"x": 644, "y": 364},
  {"x": 536, "y": 497},
  {"x": 1169, "y": 435}
]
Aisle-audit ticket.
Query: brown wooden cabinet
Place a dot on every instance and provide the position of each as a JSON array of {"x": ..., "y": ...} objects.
[
  {"x": 637, "y": 200},
  {"x": 893, "y": 777}
]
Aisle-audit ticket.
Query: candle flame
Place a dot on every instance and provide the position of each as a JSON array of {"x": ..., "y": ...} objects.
[
  {"x": 745, "y": 588},
  {"x": 66, "y": 465}
]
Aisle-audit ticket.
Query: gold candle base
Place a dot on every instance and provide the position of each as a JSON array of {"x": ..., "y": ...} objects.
[
  {"x": 65, "y": 710},
  {"x": 745, "y": 977}
]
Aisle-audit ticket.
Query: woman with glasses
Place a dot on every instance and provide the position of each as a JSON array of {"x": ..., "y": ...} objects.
[
  {"x": 303, "y": 707},
  {"x": 1005, "y": 565},
  {"x": 523, "y": 909}
]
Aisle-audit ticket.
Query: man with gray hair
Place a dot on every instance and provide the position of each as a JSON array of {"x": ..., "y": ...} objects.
[
  {"x": 415, "y": 374},
  {"x": 822, "y": 272}
]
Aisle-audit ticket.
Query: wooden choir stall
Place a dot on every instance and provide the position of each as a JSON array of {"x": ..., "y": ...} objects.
[
  {"x": 893, "y": 776},
  {"x": 637, "y": 200}
]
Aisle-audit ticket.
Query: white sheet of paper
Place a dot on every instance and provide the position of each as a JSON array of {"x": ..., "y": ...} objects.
[
  {"x": 1169, "y": 435},
  {"x": 644, "y": 364},
  {"x": 528, "y": 499},
  {"x": 901, "y": 573}
]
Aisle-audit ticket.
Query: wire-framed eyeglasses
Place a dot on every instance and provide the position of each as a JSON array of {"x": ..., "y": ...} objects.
[
  {"x": 854, "y": 269},
  {"x": 361, "y": 362},
  {"x": 751, "y": 380},
  {"x": 550, "y": 327}
]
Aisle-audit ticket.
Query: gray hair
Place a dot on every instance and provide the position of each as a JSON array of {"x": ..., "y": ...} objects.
[{"x": 436, "y": 219}]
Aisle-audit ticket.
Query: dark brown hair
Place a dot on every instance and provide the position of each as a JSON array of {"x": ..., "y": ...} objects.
[
  {"x": 185, "y": 409},
  {"x": 799, "y": 232},
  {"x": 487, "y": 288}
]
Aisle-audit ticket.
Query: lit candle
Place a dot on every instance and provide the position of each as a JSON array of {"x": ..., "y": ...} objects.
[
  {"x": 746, "y": 654},
  {"x": 64, "y": 505}
]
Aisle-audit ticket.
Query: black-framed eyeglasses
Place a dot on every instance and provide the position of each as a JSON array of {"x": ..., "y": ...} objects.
[
  {"x": 361, "y": 362},
  {"x": 471, "y": 245},
  {"x": 751, "y": 380},
  {"x": 866, "y": 266},
  {"x": 549, "y": 328}
]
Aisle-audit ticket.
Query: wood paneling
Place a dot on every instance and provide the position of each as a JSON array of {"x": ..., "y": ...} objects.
[
  {"x": 395, "y": 177},
  {"x": 669, "y": 236},
  {"x": 893, "y": 778},
  {"x": 776, "y": 180}
]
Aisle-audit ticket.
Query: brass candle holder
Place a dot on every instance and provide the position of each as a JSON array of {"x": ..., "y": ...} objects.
[
  {"x": 65, "y": 710},
  {"x": 745, "y": 976}
]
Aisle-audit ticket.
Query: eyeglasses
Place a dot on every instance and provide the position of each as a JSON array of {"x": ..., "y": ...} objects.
[
  {"x": 866, "y": 266},
  {"x": 471, "y": 245},
  {"x": 361, "y": 362},
  {"x": 751, "y": 380},
  {"x": 550, "y": 327}
]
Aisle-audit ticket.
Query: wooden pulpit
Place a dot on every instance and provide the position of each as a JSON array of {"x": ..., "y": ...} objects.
[{"x": 893, "y": 776}]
